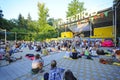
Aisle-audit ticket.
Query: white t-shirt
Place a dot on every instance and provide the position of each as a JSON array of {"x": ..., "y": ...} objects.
[{"x": 36, "y": 62}]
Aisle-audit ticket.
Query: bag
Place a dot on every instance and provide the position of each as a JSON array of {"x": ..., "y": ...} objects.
[{"x": 30, "y": 55}]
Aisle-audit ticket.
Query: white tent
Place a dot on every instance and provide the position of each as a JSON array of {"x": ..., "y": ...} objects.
[{"x": 80, "y": 27}]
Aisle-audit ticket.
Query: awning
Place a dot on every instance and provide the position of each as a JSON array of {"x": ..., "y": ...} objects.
[{"x": 80, "y": 28}]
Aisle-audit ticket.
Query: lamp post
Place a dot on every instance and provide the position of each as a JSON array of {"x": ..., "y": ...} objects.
[
  {"x": 15, "y": 36},
  {"x": 115, "y": 25},
  {"x": 90, "y": 28},
  {"x": 115, "y": 6},
  {"x": 5, "y": 35}
]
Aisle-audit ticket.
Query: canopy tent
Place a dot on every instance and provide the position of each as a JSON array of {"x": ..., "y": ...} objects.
[{"x": 80, "y": 27}]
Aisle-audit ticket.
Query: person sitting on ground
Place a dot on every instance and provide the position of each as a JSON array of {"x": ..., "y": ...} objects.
[
  {"x": 2, "y": 53},
  {"x": 69, "y": 75},
  {"x": 10, "y": 58},
  {"x": 74, "y": 53},
  {"x": 93, "y": 52},
  {"x": 55, "y": 72},
  {"x": 67, "y": 54},
  {"x": 37, "y": 64},
  {"x": 38, "y": 48},
  {"x": 87, "y": 54},
  {"x": 115, "y": 59},
  {"x": 45, "y": 51},
  {"x": 117, "y": 56},
  {"x": 83, "y": 51}
]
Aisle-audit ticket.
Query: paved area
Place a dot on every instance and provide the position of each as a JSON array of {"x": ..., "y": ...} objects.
[{"x": 82, "y": 68}]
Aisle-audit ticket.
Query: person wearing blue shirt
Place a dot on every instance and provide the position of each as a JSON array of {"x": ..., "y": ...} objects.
[{"x": 55, "y": 72}]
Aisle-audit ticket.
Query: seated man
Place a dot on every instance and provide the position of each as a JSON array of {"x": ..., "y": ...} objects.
[
  {"x": 55, "y": 73},
  {"x": 37, "y": 64}
]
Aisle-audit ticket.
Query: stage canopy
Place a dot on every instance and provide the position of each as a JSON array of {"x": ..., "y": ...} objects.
[{"x": 80, "y": 28}]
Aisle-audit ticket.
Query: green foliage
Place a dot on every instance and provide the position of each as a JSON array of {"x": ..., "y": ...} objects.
[
  {"x": 6, "y": 24},
  {"x": 75, "y": 7},
  {"x": 43, "y": 14},
  {"x": 29, "y": 18},
  {"x": 47, "y": 32},
  {"x": 51, "y": 21},
  {"x": 27, "y": 29}
]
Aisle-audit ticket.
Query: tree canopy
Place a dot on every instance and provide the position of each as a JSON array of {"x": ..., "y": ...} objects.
[
  {"x": 75, "y": 7},
  {"x": 27, "y": 29},
  {"x": 43, "y": 14},
  {"x": 44, "y": 27}
]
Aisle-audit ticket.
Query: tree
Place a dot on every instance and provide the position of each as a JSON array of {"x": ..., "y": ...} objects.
[
  {"x": 6, "y": 24},
  {"x": 20, "y": 20},
  {"x": 29, "y": 18},
  {"x": 54, "y": 22},
  {"x": 43, "y": 14},
  {"x": 75, "y": 7},
  {"x": 46, "y": 29},
  {"x": 1, "y": 14},
  {"x": 116, "y": 1},
  {"x": 51, "y": 21}
]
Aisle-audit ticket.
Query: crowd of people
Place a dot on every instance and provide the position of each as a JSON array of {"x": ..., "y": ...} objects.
[{"x": 73, "y": 48}]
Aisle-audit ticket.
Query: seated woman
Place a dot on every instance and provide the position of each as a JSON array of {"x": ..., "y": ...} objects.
[
  {"x": 74, "y": 54},
  {"x": 37, "y": 64}
]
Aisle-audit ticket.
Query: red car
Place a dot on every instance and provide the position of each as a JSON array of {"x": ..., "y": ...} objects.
[{"x": 107, "y": 43}]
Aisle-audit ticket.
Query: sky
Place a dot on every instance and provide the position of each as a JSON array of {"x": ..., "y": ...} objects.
[{"x": 57, "y": 8}]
